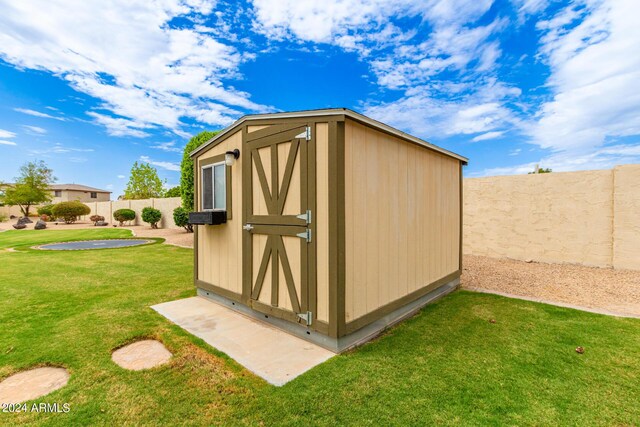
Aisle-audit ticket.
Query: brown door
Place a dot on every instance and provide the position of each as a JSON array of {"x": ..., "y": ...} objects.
[{"x": 277, "y": 221}]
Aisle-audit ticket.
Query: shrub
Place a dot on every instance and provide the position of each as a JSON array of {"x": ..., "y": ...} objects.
[
  {"x": 122, "y": 215},
  {"x": 45, "y": 210},
  {"x": 151, "y": 216},
  {"x": 96, "y": 218},
  {"x": 45, "y": 217},
  {"x": 70, "y": 211},
  {"x": 181, "y": 218}
]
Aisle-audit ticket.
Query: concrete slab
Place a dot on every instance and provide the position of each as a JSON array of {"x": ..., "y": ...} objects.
[
  {"x": 32, "y": 384},
  {"x": 268, "y": 352},
  {"x": 145, "y": 354}
]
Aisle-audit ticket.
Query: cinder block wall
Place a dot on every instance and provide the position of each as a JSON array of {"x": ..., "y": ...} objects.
[
  {"x": 165, "y": 206},
  {"x": 587, "y": 217}
]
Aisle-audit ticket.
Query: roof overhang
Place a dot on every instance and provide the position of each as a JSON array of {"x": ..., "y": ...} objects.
[{"x": 326, "y": 112}]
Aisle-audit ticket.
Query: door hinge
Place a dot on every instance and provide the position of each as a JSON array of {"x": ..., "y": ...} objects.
[
  {"x": 305, "y": 235},
  {"x": 306, "y": 134},
  {"x": 307, "y": 317},
  {"x": 306, "y": 216}
]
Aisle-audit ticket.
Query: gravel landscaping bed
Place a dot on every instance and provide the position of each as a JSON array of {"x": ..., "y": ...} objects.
[{"x": 616, "y": 291}]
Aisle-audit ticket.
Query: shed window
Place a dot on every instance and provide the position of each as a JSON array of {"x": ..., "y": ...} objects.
[
  {"x": 57, "y": 193},
  {"x": 214, "y": 187},
  {"x": 94, "y": 195}
]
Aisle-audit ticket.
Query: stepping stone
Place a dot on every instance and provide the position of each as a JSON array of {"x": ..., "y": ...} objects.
[
  {"x": 141, "y": 355},
  {"x": 32, "y": 384}
]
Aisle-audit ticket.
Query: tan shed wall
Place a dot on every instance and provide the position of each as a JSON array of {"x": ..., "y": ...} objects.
[
  {"x": 402, "y": 225},
  {"x": 586, "y": 217},
  {"x": 220, "y": 246}
]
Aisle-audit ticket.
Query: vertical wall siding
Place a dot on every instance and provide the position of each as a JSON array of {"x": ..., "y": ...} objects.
[
  {"x": 402, "y": 225},
  {"x": 220, "y": 246}
]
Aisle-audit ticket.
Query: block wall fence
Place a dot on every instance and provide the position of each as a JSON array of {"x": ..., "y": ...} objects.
[
  {"x": 165, "y": 206},
  {"x": 106, "y": 209},
  {"x": 588, "y": 217}
]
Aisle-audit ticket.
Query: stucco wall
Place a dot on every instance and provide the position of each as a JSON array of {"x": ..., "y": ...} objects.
[
  {"x": 587, "y": 217},
  {"x": 83, "y": 196},
  {"x": 166, "y": 207}
]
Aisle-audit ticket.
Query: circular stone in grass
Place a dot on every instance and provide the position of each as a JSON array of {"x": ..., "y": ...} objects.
[
  {"x": 32, "y": 384},
  {"x": 141, "y": 355}
]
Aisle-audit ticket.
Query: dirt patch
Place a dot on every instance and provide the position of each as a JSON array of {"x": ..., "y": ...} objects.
[
  {"x": 141, "y": 355},
  {"x": 615, "y": 291},
  {"x": 32, "y": 384}
]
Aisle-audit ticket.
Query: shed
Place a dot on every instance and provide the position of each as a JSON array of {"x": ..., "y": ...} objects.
[{"x": 326, "y": 223}]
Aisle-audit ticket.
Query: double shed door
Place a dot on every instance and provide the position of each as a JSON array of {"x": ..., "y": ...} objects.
[{"x": 278, "y": 250}]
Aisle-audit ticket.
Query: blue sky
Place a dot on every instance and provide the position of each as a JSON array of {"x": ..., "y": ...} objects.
[{"x": 91, "y": 87}]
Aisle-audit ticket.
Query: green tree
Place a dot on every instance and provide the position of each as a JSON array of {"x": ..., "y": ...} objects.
[
  {"x": 173, "y": 192},
  {"x": 70, "y": 211},
  {"x": 186, "y": 168},
  {"x": 31, "y": 187},
  {"x": 144, "y": 182},
  {"x": 152, "y": 216},
  {"x": 541, "y": 170},
  {"x": 181, "y": 218}
]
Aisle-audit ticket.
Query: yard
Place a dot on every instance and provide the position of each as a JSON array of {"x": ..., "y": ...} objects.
[{"x": 447, "y": 365}]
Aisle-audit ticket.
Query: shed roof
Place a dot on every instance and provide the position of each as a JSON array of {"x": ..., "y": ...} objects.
[
  {"x": 328, "y": 112},
  {"x": 77, "y": 187}
]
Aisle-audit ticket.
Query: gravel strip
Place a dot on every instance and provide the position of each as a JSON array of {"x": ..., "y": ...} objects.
[{"x": 616, "y": 291}]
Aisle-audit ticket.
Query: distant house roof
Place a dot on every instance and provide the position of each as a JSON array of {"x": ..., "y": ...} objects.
[{"x": 77, "y": 187}]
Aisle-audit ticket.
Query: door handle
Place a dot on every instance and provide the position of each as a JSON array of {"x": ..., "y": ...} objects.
[{"x": 247, "y": 227}]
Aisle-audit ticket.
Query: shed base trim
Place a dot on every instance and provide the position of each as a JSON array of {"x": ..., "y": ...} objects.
[{"x": 338, "y": 345}]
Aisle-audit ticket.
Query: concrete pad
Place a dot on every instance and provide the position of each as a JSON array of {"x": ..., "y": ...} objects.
[
  {"x": 141, "y": 355},
  {"x": 268, "y": 352},
  {"x": 32, "y": 384}
]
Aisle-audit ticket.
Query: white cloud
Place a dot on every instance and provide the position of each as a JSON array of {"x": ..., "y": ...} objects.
[
  {"x": 34, "y": 112},
  {"x": 35, "y": 129},
  {"x": 6, "y": 134},
  {"x": 108, "y": 187},
  {"x": 515, "y": 152},
  {"x": 424, "y": 112},
  {"x": 167, "y": 146},
  {"x": 450, "y": 41},
  {"x": 119, "y": 126},
  {"x": 121, "y": 176},
  {"x": 59, "y": 148},
  {"x": 591, "y": 48},
  {"x": 127, "y": 54},
  {"x": 7, "y": 143},
  {"x": 164, "y": 165},
  {"x": 488, "y": 135}
]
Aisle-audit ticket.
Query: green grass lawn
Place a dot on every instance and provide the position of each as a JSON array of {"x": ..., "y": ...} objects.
[{"x": 447, "y": 365}]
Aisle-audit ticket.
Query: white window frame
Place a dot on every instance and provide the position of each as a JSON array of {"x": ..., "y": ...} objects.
[{"x": 213, "y": 186}]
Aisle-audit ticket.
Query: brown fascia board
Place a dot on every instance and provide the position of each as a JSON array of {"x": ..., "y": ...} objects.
[{"x": 328, "y": 112}]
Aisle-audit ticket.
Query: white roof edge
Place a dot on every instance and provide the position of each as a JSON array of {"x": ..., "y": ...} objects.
[{"x": 330, "y": 112}]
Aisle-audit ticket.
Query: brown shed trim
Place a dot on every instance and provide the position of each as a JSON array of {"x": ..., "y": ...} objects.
[
  {"x": 227, "y": 172},
  {"x": 195, "y": 228},
  {"x": 336, "y": 229},
  {"x": 371, "y": 317},
  {"x": 461, "y": 220},
  {"x": 218, "y": 290},
  {"x": 315, "y": 114}
]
